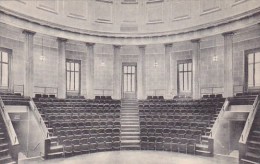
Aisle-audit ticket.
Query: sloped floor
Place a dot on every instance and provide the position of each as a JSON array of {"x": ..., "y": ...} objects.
[{"x": 137, "y": 157}]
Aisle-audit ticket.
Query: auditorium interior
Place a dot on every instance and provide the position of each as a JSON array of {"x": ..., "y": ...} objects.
[{"x": 130, "y": 81}]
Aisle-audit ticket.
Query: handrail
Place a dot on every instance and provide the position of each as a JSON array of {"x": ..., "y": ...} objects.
[
  {"x": 36, "y": 146},
  {"x": 211, "y": 90},
  {"x": 10, "y": 129},
  {"x": 39, "y": 118},
  {"x": 17, "y": 90},
  {"x": 103, "y": 91},
  {"x": 155, "y": 91},
  {"x": 249, "y": 121},
  {"x": 221, "y": 113},
  {"x": 45, "y": 90},
  {"x": 240, "y": 90}
]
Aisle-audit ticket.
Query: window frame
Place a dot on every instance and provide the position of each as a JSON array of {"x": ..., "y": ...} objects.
[
  {"x": 246, "y": 64},
  {"x": 183, "y": 62},
  {"x": 73, "y": 72},
  {"x": 9, "y": 64},
  {"x": 132, "y": 76}
]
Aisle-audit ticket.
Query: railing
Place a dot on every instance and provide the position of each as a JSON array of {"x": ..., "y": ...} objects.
[
  {"x": 15, "y": 89},
  {"x": 211, "y": 138},
  {"x": 46, "y": 90},
  {"x": 216, "y": 124},
  {"x": 39, "y": 118},
  {"x": 9, "y": 125},
  {"x": 103, "y": 92},
  {"x": 18, "y": 89},
  {"x": 32, "y": 150},
  {"x": 249, "y": 121},
  {"x": 156, "y": 91},
  {"x": 211, "y": 90},
  {"x": 247, "y": 128},
  {"x": 238, "y": 89}
]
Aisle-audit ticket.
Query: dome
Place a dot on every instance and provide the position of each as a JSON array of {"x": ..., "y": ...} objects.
[{"x": 130, "y": 18}]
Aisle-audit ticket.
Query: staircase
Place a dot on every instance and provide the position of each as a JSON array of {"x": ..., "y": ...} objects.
[
  {"x": 252, "y": 155},
  {"x": 130, "y": 128},
  {"x": 14, "y": 99},
  {"x": 55, "y": 150},
  {"x": 203, "y": 147},
  {"x": 5, "y": 156}
]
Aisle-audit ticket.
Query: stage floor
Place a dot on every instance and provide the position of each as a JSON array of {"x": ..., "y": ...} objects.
[{"x": 138, "y": 157}]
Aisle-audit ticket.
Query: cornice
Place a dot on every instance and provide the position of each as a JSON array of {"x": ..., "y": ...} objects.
[
  {"x": 214, "y": 28},
  {"x": 89, "y": 44},
  {"x": 29, "y": 32},
  {"x": 195, "y": 40},
  {"x": 62, "y": 39}
]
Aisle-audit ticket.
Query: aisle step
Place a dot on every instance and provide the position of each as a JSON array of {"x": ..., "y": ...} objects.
[{"x": 130, "y": 126}]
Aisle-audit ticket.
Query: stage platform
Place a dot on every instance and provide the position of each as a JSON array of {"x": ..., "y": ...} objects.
[{"x": 137, "y": 157}]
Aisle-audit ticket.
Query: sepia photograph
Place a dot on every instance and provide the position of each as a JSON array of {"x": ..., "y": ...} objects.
[{"x": 129, "y": 81}]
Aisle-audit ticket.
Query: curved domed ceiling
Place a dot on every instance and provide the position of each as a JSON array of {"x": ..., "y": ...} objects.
[{"x": 129, "y": 16}]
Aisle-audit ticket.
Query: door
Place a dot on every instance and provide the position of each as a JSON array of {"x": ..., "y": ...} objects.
[
  {"x": 129, "y": 81},
  {"x": 73, "y": 72},
  {"x": 184, "y": 77}
]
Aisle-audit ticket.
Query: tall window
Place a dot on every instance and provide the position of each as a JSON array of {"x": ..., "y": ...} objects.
[
  {"x": 253, "y": 70},
  {"x": 4, "y": 69},
  {"x": 73, "y": 75},
  {"x": 129, "y": 78},
  {"x": 184, "y": 76}
]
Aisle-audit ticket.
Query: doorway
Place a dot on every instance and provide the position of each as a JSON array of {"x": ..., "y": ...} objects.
[{"x": 129, "y": 80}]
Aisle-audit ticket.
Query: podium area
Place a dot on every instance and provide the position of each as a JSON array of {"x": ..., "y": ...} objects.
[{"x": 137, "y": 157}]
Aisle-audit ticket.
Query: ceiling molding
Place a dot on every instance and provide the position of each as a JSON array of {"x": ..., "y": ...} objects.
[{"x": 214, "y": 28}]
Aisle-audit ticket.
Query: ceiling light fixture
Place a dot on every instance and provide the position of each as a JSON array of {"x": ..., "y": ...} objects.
[
  {"x": 155, "y": 63},
  {"x": 215, "y": 58},
  {"x": 102, "y": 58}
]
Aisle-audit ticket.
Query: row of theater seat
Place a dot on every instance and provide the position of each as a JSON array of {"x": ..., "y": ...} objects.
[
  {"x": 187, "y": 112},
  {"x": 44, "y": 96},
  {"x": 83, "y": 124},
  {"x": 86, "y": 133},
  {"x": 201, "y": 125},
  {"x": 90, "y": 145},
  {"x": 176, "y": 117},
  {"x": 212, "y": 96},
  {"x": 96, "y": 105},
  {"x": 78, "y": 111},
  {"x": 107, "y": 99},
  {"x": 179, "y": 104},
  {"x": 183, "y": 145},
  {"x": 173, "y": 133},
  {"x": 83, "y": 118}
]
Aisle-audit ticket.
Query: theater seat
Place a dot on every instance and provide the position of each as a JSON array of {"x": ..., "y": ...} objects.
[
  {"x": 84, "y": 144},
  {"x": 67, "y": 147},
  {"x": 76, "y": 146}
]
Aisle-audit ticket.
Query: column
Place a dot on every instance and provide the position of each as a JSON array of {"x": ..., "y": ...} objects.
[
  {"x": 116, "y": 73},
  {"x": 62, "y": 68},
  {"x": 196, "y": 68},
  {"x": 90, "y": 70},
  {"x": 174, "y": 89},
  {"x": 29, "y": 68},
  {"x": 141, "y": 85},
  {"x": 228, "y": 64},
  {"x": 167, "y": 58}
]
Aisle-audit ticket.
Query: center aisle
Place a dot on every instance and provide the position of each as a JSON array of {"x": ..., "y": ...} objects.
[{"x": 130, "y": 128}]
